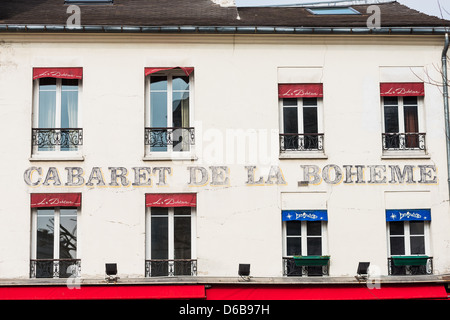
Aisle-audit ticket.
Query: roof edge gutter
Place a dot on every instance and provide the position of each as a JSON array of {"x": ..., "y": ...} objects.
[
  {"x": 221, "y": 29},
  {"x": 445, "y": 96}
]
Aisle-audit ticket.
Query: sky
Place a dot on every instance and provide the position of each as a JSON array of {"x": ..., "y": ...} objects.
[{"x": 430, "y": 7}]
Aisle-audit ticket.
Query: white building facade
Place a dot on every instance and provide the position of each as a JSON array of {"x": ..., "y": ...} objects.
[{"x": 180, "y": 156}]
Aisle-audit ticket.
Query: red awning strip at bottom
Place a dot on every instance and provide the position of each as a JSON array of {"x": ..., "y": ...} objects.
[
  {"x": 360, "y": 292},
  {"x": 107, "y": 292},
  {"x": 224, "y": 292}
]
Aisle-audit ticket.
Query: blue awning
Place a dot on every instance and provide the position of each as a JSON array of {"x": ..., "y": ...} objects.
[
  {"x": 304, "y": 215},
  {"x": 408, "y": 215}
]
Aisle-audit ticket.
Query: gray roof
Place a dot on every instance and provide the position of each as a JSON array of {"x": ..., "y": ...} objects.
[{"x": 198, "y": 15}]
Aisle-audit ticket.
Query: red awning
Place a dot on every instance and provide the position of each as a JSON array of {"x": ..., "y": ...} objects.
[
  {"x": 43, "y": 200},
  {"x": 402, "y": 89},
  {"x": 107, "y": 292},
  {"x": 300, "y": 90},
  {"x": 187, "y": 71},
  {"x": 61, "y": 73},
  {"x": 171, "y": 199},
  {"x": 321, "y": 292}
]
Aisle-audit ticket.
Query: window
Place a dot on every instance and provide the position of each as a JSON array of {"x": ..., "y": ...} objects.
[
  {"x": 408, "y": 241},
  {"x": 402, "y": 125},
  {"x": 333, "y": 11},
  {"x": 170, "y": 232},
  {"x": 56, "y": 120},
  {"x": 169, "y": 114},
  {"x": 304, "y": 236},
  {"x": 300, "y": 118},
  {"x": 54, "y": 236}
]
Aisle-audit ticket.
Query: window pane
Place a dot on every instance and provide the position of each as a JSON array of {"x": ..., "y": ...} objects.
[
  {"x": 314, "y": 246},
  {"x": 180, "y": 83},
  {"x": 180, "y": 116},
  {"x": 158, "y": 119},
  {"x": 418, "y": 245},
  {"x": 417, "y": 227},
  {"x": 293, "y": 228},
  {"x": 157, "y": 211},
  {"x": 47, "y": 107},
  {"x": 158, "y": 109},
  {"x": 391, "y": 119},
  {"x": 290, "y": 102},
  {"x": 182, "y": 211},
  {"x": 411, "y": 119},
  {"x": 310, "y": 123},
  {"x": 45, "y": 233},
  {"x": 159, "y": 235},
  {"x": 397, "y": 228},
  {"x": 68, "y": 234},
  {"x": 69, "y": 104},
  {"x": 182, "y": 237},
  {"x": 397, "y": 246},
  {"x": 290, "y": 120},
  {"x": 158, "y": 83},
  {"x": 390, "y": 101},
  {"x": 410, "y": 101},
  {"x": 294, "y": 246},
  {"x": 309, "y": 101},
  {"x": 314, "y": 228},
  {"x": 69, "y": 113}
]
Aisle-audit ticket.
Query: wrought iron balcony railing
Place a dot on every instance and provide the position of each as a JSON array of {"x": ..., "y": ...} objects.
[
  {"x": 301, "y": 142},
  {"x": 65, "y": 138},
  {"x": 290, "y": 269},
  {"x": 403, "y": 141},
  {"x": 410, "y": 269},
  {"x": 180, "y": 139},
  {"x": 55, "y": 268},
  {"x": 170, "y": 267}
]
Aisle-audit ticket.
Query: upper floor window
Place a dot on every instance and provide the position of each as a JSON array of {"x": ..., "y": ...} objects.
[
  {"x": 169, "y": 115},
  {"x": 301, "y": 117},
  {"x": 304, "y": 242},
  {"x": 402, "y": 117},
  {"x": 170, "y": 234},
  {"x": 56, "y": 117},
  {"x": 54, "y": 235},
  {"x": 408, "y": 238}
]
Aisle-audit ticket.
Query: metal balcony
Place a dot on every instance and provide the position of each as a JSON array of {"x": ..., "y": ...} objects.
[
  {"x": 55, "y": 268},
  {"x": 301, "y": 142},
  {"x": 49, "y": 138},
  {"x": 170, "y": 267},
  {"x": 403, "y": 141}
]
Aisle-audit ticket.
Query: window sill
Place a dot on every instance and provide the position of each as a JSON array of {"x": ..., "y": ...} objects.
[
  {"x": 56, "y": 158},
  {"x": 405, "y": 155},
  {"x": 303, "y": 155}
]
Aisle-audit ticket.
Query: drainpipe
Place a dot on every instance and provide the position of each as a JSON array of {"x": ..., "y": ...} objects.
[{"x": 445, "y": 87}]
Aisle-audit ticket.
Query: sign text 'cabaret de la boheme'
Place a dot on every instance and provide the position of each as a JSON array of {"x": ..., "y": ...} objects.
[{"x": 198, "y": 176}]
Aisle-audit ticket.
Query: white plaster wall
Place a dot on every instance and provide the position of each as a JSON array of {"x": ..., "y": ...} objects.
[{"x": 235, "y": 89}]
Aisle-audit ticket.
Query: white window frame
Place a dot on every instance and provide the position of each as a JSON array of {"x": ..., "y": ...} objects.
[
  {"x": 304, "y": 238},
  {"x": 56, "y": 233},
  {"x": 320, "y": 128},
  {"x": 171, "y": 216},
  {"x": 407, "y": 237},
  {"x": 401, "y": 124},
  {"x": 169, "y": 154},
  {"x": 56, "y": 153}
]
